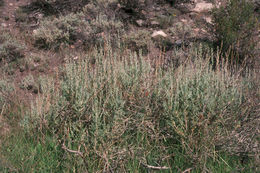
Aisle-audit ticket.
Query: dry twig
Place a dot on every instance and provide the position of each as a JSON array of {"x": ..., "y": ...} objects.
[
  {"x": 155, "y": 167},
  {"x": 72, "y": 151}
]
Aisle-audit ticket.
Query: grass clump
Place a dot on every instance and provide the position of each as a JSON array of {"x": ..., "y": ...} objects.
[
  {"x": 25, "y": 154},
  {"x": 235, "y": 26}
]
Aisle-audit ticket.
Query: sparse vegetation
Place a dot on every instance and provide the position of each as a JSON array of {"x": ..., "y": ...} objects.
[{"x": 91, "y": 93}]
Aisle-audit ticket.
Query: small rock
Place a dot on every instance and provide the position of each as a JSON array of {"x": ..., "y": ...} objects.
[
  {"x": 35, "y": 31},
  {"x": 4, "y": 25},
  {"x": 157, "y": 8},
  {"x": 159, "y": 33},
  {"x": 140, "y": 23},
  {"x": 144, "y": 12},
  {"x": 40, "y": 16},
  {"x": 196, "y": 30},
  {"x": 35, "y": 65},
  {"x": 202, "y": 7},
  {"x": 208, "y": 20},
  {"x": 184, "y": 20}
]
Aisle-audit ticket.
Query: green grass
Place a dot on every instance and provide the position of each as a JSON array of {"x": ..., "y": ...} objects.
[
  {"x": 22, "y": 153},
  {"x": 118, "y": 113},
  {"x": 25, "y": 154}
]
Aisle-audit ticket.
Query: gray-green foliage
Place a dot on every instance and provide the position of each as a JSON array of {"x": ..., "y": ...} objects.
[
  {"x": 10, "y": 48},
  {"x": 73, "y": 27},
  {"x": 114, "y": 112},
  {"x": 65, "y": 29}
]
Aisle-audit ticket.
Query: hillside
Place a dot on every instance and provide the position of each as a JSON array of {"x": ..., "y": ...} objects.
[{"x": 129, "y": 85}]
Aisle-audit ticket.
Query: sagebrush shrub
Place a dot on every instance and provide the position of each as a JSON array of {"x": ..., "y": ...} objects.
[
  {"x": 68, "y": 29},
  {"x": 235, "y": 26},
  {"x": 10, "y": 49},
  {"x": 138, "y": 41},
  {"x": 52, "y": 33}
]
